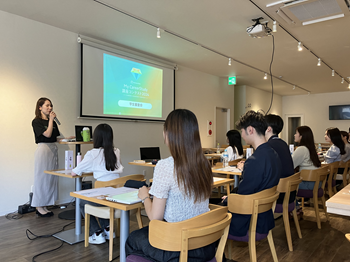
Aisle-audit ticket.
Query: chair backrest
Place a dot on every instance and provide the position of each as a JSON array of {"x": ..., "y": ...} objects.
[
  {"x": 253, "y": 204},
  {"x": 333, "y": 171},
  {"x": 246, "y": 204},
  {"x": 119, "y": 182},
  {"x": 289, "y": 184},
  {"x": 192, "y": 233},
  {"x": 316, "y": 175}
]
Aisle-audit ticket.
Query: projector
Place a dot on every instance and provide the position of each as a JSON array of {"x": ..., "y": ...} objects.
[{"x": 258, "y": 30}]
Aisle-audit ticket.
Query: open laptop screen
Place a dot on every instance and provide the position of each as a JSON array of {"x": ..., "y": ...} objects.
[{"x": 149, "y": 153}]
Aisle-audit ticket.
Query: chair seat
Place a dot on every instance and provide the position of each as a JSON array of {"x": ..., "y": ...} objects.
[
  {"x": 134, "y": 258},
  {"x": 309, "y": 193},
  {"x": 279, "y": 207},
  {"x": 103, "y": 212},
  {"x": 245, "y": 238}
]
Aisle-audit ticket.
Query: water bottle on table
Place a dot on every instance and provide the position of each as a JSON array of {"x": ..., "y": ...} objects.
[{"x": 225, "y": 158}]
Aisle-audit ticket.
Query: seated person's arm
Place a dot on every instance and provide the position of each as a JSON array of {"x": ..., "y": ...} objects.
[{"x": 155, "y": 209}]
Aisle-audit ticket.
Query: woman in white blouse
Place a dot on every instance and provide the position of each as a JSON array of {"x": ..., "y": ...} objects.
[
  {"x": 235, "y": 149},
  {"x": 104, "y": 161},
  {"x": 337, "y": 149},
  {"x": 181, "y": 188},
  {"x": 305, "y": 156}
]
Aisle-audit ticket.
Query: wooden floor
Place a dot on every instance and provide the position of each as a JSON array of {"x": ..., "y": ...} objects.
[{"x": 322, "y": 245}]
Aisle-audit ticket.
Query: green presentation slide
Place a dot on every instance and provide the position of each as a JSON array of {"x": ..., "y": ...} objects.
[{"x": 131, "y": 88}]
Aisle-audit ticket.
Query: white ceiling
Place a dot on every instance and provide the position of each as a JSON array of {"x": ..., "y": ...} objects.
[{"x": 219, "y": 25}]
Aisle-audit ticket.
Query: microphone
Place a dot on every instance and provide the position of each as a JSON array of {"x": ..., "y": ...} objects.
[{"x": 58, "y": 122}]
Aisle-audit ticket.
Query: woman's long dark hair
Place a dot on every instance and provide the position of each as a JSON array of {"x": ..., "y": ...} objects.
[
  {"x": 39, "y": 104},
  {"x": 335, "y": 136},
  {"x": 103, "y": 137},
  {"x": 307, "y": 140},
  {"x": 234, "y": 140},
  {"x": 193, "y": 170},
  {"x": 346, "y": 134}
]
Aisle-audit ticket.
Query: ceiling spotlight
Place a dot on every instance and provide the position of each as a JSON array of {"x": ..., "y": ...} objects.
[
  {"x": 274, "y": 27},
  {"x": 265, "y": 77},
  {"x": 300, "y": 47},
  {"x": 332, "y": 72},
  {"x": 229, "y": 61},
  {"x": 342, "y": 81},
  {"x": 294, "y": 87},
  {"x": 158, "y": 32},
  {"x": 349, "y": 86},
  {"x": 319, "y": 62}
]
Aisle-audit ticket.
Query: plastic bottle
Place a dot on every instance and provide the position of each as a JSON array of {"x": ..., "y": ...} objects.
[
  {"x": 225, "y": 158},
  {"x": 78, "y": 158},
  {"x": 218, "y": 149},
  {"x": 319, "y": 149}
]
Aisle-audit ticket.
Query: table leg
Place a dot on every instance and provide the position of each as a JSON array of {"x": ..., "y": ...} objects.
[
  {"x": 124, "y": 233},
  {"x": 236, "y": 177},
  {"x": 76, "y": 235},
  {"x": 78, "y": 186}
]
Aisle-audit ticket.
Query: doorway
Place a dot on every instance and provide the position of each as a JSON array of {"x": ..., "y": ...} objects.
[
  {"x": 222, "y": 125},
  {"x": 293, "y": 121}
]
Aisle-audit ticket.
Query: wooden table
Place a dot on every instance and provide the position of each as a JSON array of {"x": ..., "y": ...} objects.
[
  {"x": 214, "y": 170},
  {"x": 124, "y": 217},
  {"x": 235, "y": 175},
  {"x": 340, "y": 203},
  {"x": 72, "y": 236},
  {"x": 147, "y": 164}
]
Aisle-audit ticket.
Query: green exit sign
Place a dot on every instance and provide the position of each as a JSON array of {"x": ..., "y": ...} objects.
[{"x": 231, "y": 80}]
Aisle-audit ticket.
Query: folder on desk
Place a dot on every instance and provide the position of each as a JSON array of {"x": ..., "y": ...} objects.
[{"x": 130, "y": 197}]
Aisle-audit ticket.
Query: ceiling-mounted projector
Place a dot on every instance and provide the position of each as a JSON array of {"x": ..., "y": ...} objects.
[{"x": 258, "y": 30}]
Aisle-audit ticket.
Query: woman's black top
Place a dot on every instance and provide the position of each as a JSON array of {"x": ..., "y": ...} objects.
[{"x": 39, "y": 127}]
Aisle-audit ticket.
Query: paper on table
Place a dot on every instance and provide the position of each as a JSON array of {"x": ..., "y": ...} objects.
[
  {"x": 68, "y": 171},
  {"x": 216, "y": 179},
  {"x": 230, "y": 169},
  {"x": 106, "y": 191}
]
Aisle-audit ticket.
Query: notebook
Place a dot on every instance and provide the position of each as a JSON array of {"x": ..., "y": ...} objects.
[
  {"x": 149, "y": 154},
  {"x": 78, "y": 130},
  {"x": 129, "y": 196}
]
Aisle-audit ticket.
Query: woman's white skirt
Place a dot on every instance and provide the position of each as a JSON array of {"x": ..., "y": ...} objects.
[{"x": 45, "y": 191}]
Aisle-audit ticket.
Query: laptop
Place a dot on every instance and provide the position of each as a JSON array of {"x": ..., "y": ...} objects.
[
  {"x": 148, "y": 154},
  {"x": 78, "y": 130}
]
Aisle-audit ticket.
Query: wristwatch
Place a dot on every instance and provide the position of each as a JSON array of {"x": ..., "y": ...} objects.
[{"x": 143, "y": 200}]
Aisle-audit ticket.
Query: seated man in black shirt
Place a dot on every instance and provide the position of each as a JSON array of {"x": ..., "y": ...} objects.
[
  {"x": 261, "y": 171},
  {"x": 274, "y": 127}
]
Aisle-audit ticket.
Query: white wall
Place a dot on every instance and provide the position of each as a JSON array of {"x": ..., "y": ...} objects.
[
  {"x": 315, "y": 109},
  {"x": 250, "y": 98},
  {"x": 40, "y": 60}
]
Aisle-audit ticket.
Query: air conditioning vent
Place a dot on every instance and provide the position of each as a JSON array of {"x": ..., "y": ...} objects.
[{"x": 304, "y": 12}]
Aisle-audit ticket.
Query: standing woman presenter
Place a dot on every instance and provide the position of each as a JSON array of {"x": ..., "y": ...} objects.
[{"x": 46, "y": 133}]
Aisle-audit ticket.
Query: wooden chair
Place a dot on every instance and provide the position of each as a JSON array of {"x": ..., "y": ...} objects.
[
  {"x": 345, "y": 176},
  {"x": 288, "y": 185},
  {"x": 104, "y": 212},
  {"x": 331, "y": 182},
  {"x": 317, "y": 176},
  {"x": 190, "y": 234},
  {"x": 254, "y": 204}
]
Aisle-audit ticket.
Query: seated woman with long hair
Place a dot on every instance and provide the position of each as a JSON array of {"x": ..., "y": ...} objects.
[
  {"x": 305, "y": 156},
  {"x": 235, "y": 149},
  {"x": 337, "y": 149},
  {"x": 345, "y": 138},
  {"x": 181, "y": 188}
]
